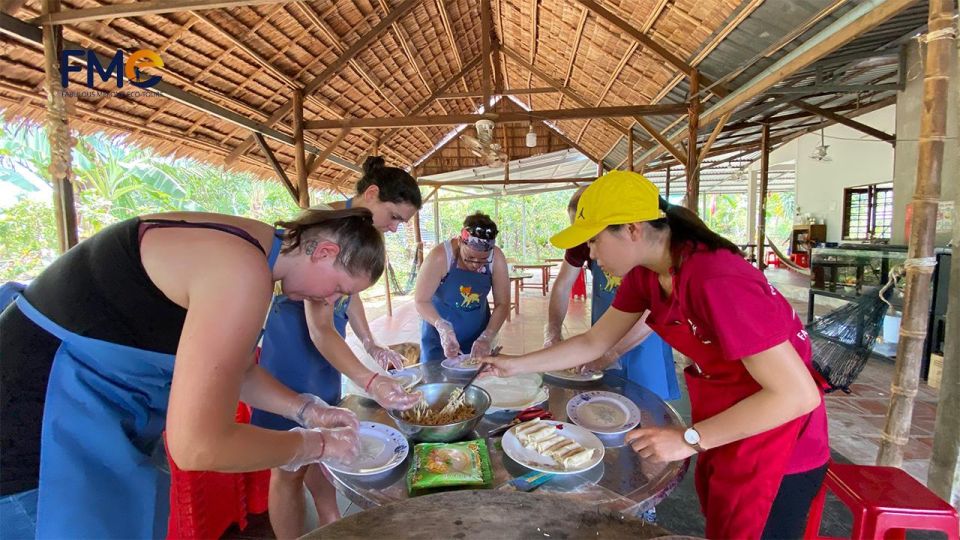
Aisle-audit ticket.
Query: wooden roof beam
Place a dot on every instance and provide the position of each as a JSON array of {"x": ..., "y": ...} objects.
[
  {"x": 448, "y": 30},
  {"x": 137, "y": 9},
  {"x": 573, "y": 53},
  {"x": 556, "y": 84},
  {"x": 606, "y": 89},
  {"x": 31, "y": 34},
  {"x": 849, "y": 122},
  {"x": 507, "y": 92},
  {"x": 329, "y": 71},
  {"x": 501, "y": 117},
  {"x": 504, "y": 182},
  {"x": 422, "y": 106},
  {"x": 242, "y": 45},
  {"x": 485, "y": 15},
  {"x": 277, "y": 168},
  {"x": 650, "y": 43},
  {"x": 861, "y": 18}
]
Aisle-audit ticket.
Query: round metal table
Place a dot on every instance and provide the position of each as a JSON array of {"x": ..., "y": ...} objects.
[{"x": 623, "y": 482}]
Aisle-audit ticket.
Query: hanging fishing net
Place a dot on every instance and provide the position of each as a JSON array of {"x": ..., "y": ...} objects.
[{"x": 843, "y": 339}]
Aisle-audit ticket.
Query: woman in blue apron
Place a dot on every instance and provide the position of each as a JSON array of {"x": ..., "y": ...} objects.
[
  {"x": 296, "y": 346},
  {"x": 644, "y": 358},
  {"x": 148, "y": 326},
  {"x": 452, "y": 289}
]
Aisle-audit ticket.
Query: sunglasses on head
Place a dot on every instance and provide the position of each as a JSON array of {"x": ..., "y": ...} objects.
[{"x": 485, "y": 233}]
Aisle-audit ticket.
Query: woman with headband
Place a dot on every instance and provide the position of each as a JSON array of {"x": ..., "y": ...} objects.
[{"x": 452, "y": 289}]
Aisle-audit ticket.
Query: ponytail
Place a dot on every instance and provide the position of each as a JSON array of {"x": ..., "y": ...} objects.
[
  {"x": 362, "y": 248},
  {"x": 686, "y": 228}
]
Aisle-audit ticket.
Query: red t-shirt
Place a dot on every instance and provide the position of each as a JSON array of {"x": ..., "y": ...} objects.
[
  {"x": 577, "y": 256},
  {"x": 729, "y": 304}
]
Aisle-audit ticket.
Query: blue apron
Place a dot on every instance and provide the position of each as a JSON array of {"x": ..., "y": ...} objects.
[
  {"x": 290, "y": 356},
  {"x": 102, "y": 460},
  {"x": 649, "y": 364},
  {"x": 461, "y": 299}
]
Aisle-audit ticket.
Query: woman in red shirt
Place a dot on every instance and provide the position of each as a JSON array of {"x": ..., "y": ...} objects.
[{"x": 758, "y": 419}]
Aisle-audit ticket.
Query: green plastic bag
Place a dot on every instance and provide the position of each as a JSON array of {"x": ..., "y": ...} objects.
[{"x": 437, "y": 465}]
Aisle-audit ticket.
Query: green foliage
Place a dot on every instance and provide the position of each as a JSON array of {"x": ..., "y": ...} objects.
[{"x": 113, "y": 181}]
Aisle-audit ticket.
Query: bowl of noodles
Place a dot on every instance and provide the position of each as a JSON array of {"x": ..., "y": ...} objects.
[{"x": 436, "y": 419}]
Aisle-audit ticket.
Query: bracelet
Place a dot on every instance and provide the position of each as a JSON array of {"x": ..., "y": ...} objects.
[
  {"x": 367, "y": 387},
  {"x": 323, "y": 446}
]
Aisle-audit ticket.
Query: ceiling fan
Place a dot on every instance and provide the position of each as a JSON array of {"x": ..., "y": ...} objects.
[
  {"x": 820, "y": 152},
  {"x": 483, "y": 146}
]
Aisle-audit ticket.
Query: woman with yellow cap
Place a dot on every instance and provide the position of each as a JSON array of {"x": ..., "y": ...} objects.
[{"x": 758, "y": 418}]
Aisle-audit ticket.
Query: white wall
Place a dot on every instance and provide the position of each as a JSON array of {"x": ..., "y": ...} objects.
[{"x": 856, "y": 159}]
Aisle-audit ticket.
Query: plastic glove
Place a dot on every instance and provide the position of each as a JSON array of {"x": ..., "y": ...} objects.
[
  {"x": 314, "y": 412},
  {"x": 608, "y": 359},
  {"x": 448, "y": 338},
  {"x": 338, "y": 444},
  {"x": 390, "y": 394},
  {"x": 482, "y": 345},
  {"x": 385, "y": 358},
  {"x": 551, "y": 337}
]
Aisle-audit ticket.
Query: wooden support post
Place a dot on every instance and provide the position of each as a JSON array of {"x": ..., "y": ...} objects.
[
  {"x": 485, "y": 52},
  {"x": 303, "y": 192},
  {"x": 762, "y": 201},
  {"x": 58, "y": 133},
  {"x": 417, "y": 236},
  {"x": 926, "y": 195},
  {"x": 666, "y": 186},
  {"x": 630, "y": 149},
  {"x": 693, "y": 176},
  {"x": 599, "y": 168}
]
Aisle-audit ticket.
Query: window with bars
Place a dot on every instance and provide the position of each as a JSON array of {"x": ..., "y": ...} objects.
[{"x": 868, "y": 212}]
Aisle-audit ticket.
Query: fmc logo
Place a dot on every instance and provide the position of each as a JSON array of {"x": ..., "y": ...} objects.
[{"x": 130, "y": 68}]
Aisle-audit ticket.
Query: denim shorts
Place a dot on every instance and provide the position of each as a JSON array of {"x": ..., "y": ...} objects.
[{"x": 18, "y": 516}]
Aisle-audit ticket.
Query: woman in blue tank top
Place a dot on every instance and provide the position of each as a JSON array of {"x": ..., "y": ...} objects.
[
  {"x": 452, "y": 289},
  {"x": 303, "y": 347}
]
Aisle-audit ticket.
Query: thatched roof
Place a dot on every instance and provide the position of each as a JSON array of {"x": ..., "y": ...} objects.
[{"x": 247, "y": 59}]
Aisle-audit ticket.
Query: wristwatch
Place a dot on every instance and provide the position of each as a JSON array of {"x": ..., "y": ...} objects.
[{"x": 692, "y": 437}]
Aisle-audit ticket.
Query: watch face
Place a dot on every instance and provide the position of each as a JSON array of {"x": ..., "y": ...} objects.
[{"x": 691, "y": 436}]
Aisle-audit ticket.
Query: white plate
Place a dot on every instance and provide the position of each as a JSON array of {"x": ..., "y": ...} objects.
[
  {"x": 456, "y": 364},
  {"x": 381, "y": 449},
  {"x": 539, "y": 462},
  {"x": 603, "y": 412},
  {"x": 576, "y": 377},
  {"x": 408, "y": 377},
  {"x": 513, "y": 393},
  {"x": 542, "y": 395}
]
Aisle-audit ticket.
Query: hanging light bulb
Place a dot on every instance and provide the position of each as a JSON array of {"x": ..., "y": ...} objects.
[{"x": 531, "y": 137}]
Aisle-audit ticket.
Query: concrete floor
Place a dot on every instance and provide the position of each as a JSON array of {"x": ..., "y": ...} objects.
[{"x": 856, "y": 419}]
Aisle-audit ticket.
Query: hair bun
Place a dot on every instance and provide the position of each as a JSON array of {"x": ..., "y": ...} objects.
[{"x": 373, "y": 163}]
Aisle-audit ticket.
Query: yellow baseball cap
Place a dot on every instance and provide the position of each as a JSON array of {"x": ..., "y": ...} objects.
[{"x": 615, "y": 198}]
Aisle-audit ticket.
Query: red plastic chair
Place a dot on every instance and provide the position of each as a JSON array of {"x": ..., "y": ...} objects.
[
  {"x": 801, "y": 259},
  {"x": 884, "y": 501},
  {"x": 772, "y": 259}
]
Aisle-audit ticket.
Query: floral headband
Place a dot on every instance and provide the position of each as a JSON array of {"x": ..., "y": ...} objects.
[{"x": 478, "y": 238}]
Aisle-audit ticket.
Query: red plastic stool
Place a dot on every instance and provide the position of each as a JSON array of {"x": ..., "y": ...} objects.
[
  {"x": 884, "y": 501},
  {"x": 579, "y": 290},
  {"x": 772, "y": 259},
  {"x": 801, "y": 259}
]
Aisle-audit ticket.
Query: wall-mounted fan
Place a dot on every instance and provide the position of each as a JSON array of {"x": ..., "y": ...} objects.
[{"x": 483, "y": 146}]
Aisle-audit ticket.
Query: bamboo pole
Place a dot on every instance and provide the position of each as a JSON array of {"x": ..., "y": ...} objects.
[
  {"x": 693, "y": 177},
  {"x": 761, "y": 239},
  {"x": 58, "y": 132},
  {"x": 303, "y": 192},
  {"x": 417, "y": 236},
  {"x": 926, "y": 196},
  {"x": 630, "y": 149},
  {"x": 666, "y": 186}
]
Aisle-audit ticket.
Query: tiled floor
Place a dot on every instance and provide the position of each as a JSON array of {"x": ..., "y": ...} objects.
[{"x": 856, "y": 419}]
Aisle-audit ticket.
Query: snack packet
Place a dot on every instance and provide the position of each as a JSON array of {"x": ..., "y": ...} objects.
[{"x": 435, "y": 465}]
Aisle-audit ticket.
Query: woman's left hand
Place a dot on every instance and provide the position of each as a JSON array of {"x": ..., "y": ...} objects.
[{"x": 661, "y": 444}]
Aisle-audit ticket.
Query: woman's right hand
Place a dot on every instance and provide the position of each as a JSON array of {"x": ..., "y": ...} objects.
[
  {"x": 502, "y": 365},
  {"x": 448, "y": 338},
  {"x": 390, "y": 394},
  {"x": 338, "y": 444}
]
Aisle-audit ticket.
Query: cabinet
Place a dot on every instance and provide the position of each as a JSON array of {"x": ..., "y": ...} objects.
[{"x": 804, "y": 237}]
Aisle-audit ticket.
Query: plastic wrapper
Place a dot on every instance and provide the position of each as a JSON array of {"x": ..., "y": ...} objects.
[{"x": 437, "y": 465}]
